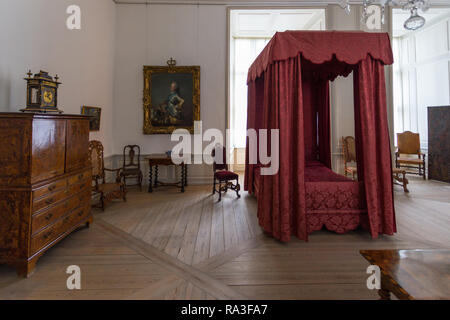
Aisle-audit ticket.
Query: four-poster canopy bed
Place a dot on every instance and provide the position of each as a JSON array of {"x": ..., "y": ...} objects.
[{"x": 288, "y": 90}]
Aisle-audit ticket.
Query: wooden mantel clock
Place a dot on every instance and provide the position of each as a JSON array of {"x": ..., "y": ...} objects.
[{"x": 42, "y": 93}]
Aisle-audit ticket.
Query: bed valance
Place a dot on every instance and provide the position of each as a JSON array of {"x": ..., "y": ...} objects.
[{"x": 349, "y": 47}]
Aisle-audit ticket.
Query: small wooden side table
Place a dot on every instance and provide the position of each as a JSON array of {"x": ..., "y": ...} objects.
[
  {"x": 412, "y": 274},
  {"x": 155, "y": 160}
]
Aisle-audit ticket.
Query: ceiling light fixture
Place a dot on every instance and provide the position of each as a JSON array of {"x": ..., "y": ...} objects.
[{"x": 414, "y": 22}]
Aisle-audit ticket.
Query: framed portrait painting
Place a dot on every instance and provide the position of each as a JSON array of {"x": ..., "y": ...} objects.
[
  {"x": 95, "y": 114},
  {"x": 171, "y": 98}
]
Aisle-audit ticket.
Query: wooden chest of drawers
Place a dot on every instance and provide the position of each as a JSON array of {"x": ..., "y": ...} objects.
[{"x": 45, "y": 184}]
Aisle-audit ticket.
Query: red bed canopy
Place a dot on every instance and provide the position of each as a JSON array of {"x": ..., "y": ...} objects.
[{"x": 288, "y": 90}]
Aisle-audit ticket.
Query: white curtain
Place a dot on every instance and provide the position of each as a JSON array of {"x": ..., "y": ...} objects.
[
  {"x": 245, "y": 52},
  {"x": 398, "y": 90}
]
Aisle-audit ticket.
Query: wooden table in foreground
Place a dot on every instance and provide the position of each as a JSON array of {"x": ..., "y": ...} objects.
[
  {"x": 155, "y": 160},
  {"x": 412, "y": 274}
]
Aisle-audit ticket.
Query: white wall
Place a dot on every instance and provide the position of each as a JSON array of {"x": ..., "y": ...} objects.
[
  {"x": 423, "y": 74},
  {"x": 150, "y": 35},
  {"x": 33, "y": 35}
]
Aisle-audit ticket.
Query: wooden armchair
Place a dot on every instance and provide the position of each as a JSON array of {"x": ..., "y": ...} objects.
[
  {"x": 349, "y": 151},
  {"x": 107, "y": 191},
  {"x": 131, "y": 164},
  {"x": 408, "y": 154}
]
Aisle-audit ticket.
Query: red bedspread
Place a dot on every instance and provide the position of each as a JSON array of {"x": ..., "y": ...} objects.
[
  {"x": 332, "y": 200},
  {"x": 315, "y": 171}
]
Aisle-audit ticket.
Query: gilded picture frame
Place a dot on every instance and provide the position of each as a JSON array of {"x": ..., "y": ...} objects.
[
  {"x": 171, "y": 98},
  {"x": 95, "y": 113}
]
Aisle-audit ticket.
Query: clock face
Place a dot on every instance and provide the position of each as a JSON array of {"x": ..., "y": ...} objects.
[{"x": 48, "y": 97}]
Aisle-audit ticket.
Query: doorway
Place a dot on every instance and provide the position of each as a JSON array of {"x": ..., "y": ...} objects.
[{"x": 249, "y": 32}]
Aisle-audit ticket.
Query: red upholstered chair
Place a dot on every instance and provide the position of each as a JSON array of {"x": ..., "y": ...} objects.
[{"x": 223, "y": 176}]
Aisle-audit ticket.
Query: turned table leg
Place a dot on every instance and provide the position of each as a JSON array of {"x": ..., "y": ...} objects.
[
  {"x": 156, "y": 176},
  {"x": 150, "y": 178},
  {"x": 182, "y": 177}
]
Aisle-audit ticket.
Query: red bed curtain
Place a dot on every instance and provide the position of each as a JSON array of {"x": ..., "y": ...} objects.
[
  {"x": 290, "y": 78},
  {"x": 373, "y": 146},
  {"x": 254, "y": 121},
  {"x": 316, "y": 122},
  {"x": 281, "y": 205}
]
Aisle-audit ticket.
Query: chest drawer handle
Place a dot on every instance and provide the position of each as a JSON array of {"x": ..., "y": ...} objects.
[
  {"x": 80, "y": 176},
  {"x": 52, "y": 187},
  {"x": 49, "y": 216},
  {"x": 49, "y": 201},
  {"x": 81, "y": 213},
  {"x": 47, "y": 235},
  {"x": 67, "y": 219}
]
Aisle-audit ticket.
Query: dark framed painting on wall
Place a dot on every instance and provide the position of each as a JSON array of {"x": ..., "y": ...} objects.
[
  {"x": 171, "y": 98},
  {"x": 95, "y": 114}
]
